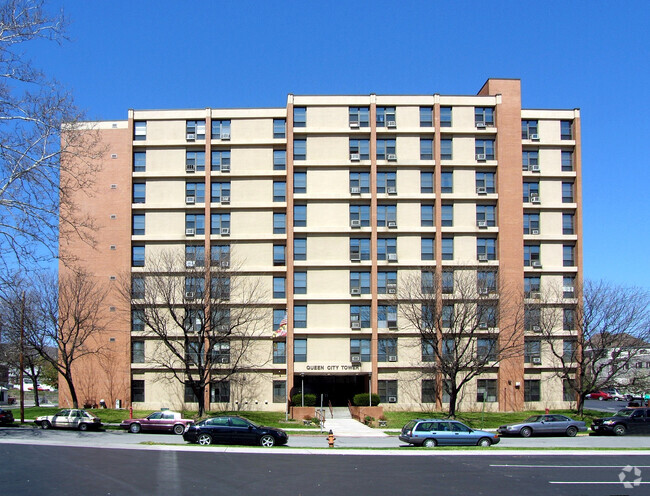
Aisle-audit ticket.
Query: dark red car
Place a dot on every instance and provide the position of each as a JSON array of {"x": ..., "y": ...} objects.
[
  {"x": 599, "y": 395},
  {"x": 164, "y": 421},
  {"x": 6, "y": 417}
]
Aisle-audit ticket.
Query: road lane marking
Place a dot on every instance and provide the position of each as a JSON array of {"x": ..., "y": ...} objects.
[
  {"x": 565, "y": 466},
  {"x": 592, "y": 482}
]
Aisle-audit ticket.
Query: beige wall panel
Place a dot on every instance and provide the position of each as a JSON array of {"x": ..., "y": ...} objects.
[
  {"x": 330, "y": 282},
  {"x": 327, "y": 117},
  {"x": 548, "y": 130},
  {"x": 167, "y": 193},
  {"x": 463, "y": 117},
  {"x": 252, "y": 256},
  {"x": 251, "y": 129},
  {"x": 328, "y": 183},
  {"x": 164, "y": 224},
  {"x": 165, "y": 130},
  {"x": 551, "y": 255},
  {"x": 409, "y": 249},
  {"x": 167, "y": 161},
  {"x": 550, "y": 161},
  {"x": 328, "y": 149},
  {"x": 465, "y": 215},
  {"x": 463, "y": 149},
  {"x": 252, "y": 193},
  {"x": 407, "y": 149},
  {"x": 328, "y": 315},
  {"x": 550, "y": 191},
  {"x": 465, "y": 248},
  {"x": 328, "y": 249},
  {"x": 407, "y": 116},
  {"x": 408, "y": 181},
  {"x": 252, "y": 224},
  {"x": 332, "y": 215},
  {"x": 551, "y": 223},
  {"x": 247, "y": 160},
  {"x": 328, "y": 350},
  {"x": 408, "y": 215},
  {"x": 465, "y": 182}
]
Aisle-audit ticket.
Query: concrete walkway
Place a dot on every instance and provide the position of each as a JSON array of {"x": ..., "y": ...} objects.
[{"x": 351, "y": 428}]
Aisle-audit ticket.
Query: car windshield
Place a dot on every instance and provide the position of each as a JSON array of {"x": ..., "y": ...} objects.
[
  {"x": 534, "y": 418},
  {"x": 626, "y": 412},
  {"x": 252, "y": 423}
]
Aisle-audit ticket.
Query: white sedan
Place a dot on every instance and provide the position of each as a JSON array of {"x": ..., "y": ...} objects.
[{"x": 69, "y": 419}]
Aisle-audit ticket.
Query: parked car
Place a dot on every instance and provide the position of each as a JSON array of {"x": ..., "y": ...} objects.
[
  {"x": 544, "y": 424},
  {"x": 433, "y": 432},
  {"x": 234, "y": 430},
  {"x": 626, "y": 421},
  {"x": 164, "y": 421},
  {"x": 616, "y": 395},
  {"x": 599, "y": 395},
  {"x": 6, "y": 417},
  {"x": 70, "y": 419}
]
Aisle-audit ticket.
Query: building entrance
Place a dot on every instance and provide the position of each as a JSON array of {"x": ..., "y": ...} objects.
[{"x": 337, "y": 389}]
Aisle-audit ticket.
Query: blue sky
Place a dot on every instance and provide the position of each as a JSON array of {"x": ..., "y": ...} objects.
[{"x": 588, "y": 54}]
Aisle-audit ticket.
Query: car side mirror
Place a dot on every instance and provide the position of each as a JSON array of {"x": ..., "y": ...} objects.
[{"x": 250, "y": 427}]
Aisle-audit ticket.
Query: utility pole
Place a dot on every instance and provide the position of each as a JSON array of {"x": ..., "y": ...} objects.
[{"x": 22, "y": 357}]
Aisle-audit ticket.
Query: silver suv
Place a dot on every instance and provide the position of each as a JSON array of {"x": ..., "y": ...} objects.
[{"x": 444, "y": 432}]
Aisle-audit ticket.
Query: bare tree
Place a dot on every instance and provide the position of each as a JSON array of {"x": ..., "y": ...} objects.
[
  {"x": 467, "y": 323},
  {"x": 38, "y": 182},
  {"x": 595, "y": 333},
  {"x": 200, "y": 319}
]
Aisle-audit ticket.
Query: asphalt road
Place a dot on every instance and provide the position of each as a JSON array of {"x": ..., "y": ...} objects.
[{"x": 36, "y": 470}]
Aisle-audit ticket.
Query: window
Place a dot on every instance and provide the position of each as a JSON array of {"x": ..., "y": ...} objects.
[
  {"x": 486, "y": 248},
  {"x": 195, "y": 161},
  {"x": 300, "y": 182},
  {"x": 532, "y": 349},
  {"x": 279, "y": 257},
  {"x": 139, "y": 161},
  {"x": 532, "y": 318},
  {"x": 484, "y": 149},
  {"x": 137, "y": 256},
  {"x": 486, "y": 390},
  {"x": 300, "y": 249},
  {"x": 221, "y": 352},
  {"x": 385, "y": 248},
  {"x": 137, "y": 320},
  {"x": 531, "y": 191},
  {"x": 486, "y": 281},
  {"x": 300, "y": 283},
  {"x": 299, "y": 215},
  {"x": 565, "y": 130},
  {"x": 568, "y": 224},
  {"x": 220, "y": 161},
  {"x": 139, "y": 192},
  {"x": 427, "y": 248},
  {"x": 387, "y": 390},
  {"x": 446, "y": 149},
  {"x": 386, "y": 149},
  {"x": 196, "y": 222},
  {"x": 220, "y": 129},
  {"x": 279, "y": 223},
  {"x": 360, "y": 348},
  {"x": 567, "y": 192},
  {"x": 279, "y": 352},
  {"x": 138, "y": 224},
  {"x": 194, "y": 320},
  {"x": 359, "y": 149},
  {"x": 386, "y": 182},
  {"x": 529, "y": 130},
  {"x": 447, "y": 214},
  {"x": 386, "y": 215},
  {"x": 426, "y": 149},
  {"x": 359, "y": 282},
  {"x": 359, "y": 182},
  {"x": 485, "y": 182},
  {"x": 140, "y": 130},
  {"x": 300, "y": 350},
  {"x": 486, "y": 316},
  {"x": 279, "y": 318},
  {"x": 279, "y": 287},
  {"x": 447, "y": 281},
  {"x": 426, "y": 182},
  {"x": 220, "y": 288},
  {"x": 220, "y": 192},
  {"x": 359, "y": 117},
  {"x": 386, "y": 281},
  {"x": 426, "y": 215},
  {"x": 447, "y": 316},
  {"x": 532, "y": 390},
  {"x": 385, "y": 116},
  {"x": 484, "y": 116},
  {"x": 531, "y": 285},
  {"x": 531, "y": 223},
  {"x": 189, "y": 396},
  {"x": 279, "y": 191},
  {"x": 445, "y": 116},
  {"x": 447, "y": 248},
  {"x": 446, "y": 387},
  {"x": 446, "y": 182},
  {"x": 300, "y": 316},
  {"x": 567, "y": 161},
  {"x": 220, "y": 392},
  {"x": 429, "y": 391},
  {"x": 427, "y": 281},
  {"x": 426, "y": 116},
  {"x": 568, "y": 285},
  {"x": 531, "y": 255},
  {"x": 137, "y": 390},
  {"x": 194, "y": 286},
  {"x": 137, "y": 288},
  {"x": 529, "y": 159},
  {"x": 568, "y": 391},
  {"x": 137, "y": 351},
  {"x": 486, "y": 214},
  {"x": 220, "y": 223},
  {"x": 219, "y": 254},
  {"x": 299, "y": 117},
  {"x": 279, "y": 391},
  {"x": 360, "y": 214},
  {"x": 300, "y": 149},
  {"x": 568, "y": 319},
  {"x": 279, "y": 159},
  {"x": 360, "y": 314},
  {"x": 279, "y": 128},
  {"x": 195, "y": 129},
  {"x": 568, "y": 255},
  {"x": 428, "y": 351},
  {"x": 194, "y": 192},
  {"x": 359, "y": 249},
  {"x": 569, "y": 347},
  {"x": 387, "y": 316},
  {"x": 387, "y": 350}
]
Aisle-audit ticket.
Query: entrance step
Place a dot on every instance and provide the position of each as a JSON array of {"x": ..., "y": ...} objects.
[
  {"x": 351, "y": 428},
  {"x": 340, "y": 412}
]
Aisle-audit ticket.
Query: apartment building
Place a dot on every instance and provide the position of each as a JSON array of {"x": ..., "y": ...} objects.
[{"x": 327, "y": 207}]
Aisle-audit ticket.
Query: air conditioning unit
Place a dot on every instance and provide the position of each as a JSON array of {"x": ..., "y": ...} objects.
[
  {"x": 225, "y": 136},
  {"x": 225, "y": 264},
  {"x": 225, "y": 231},
  {"x": 392, "y": 399},
  {"x": 355, "y": 157},
  {"x": 189, "y": 295},
  {"x": 190, "y": 263},
  {"x": 535, "y": 295},
  {"x": 355, "y": 257},
  {"x": 391, "y": 156},
  {"x": 536, "y": 328},
  {"x": 190, "y": 200},
  {"x": 189, "y": 231},
  {"x": 482, "y": 325},
  {"x": 190, "y": 167},
  {"x": 355, "y": 325},
  {"x": 480, "y": 157},
  {"x": 483, "y": 257},
  {"x": 481, "y": 190},
  {"x": 391, "y": 290},
  {"x": 391, "y": 124},
  {"x": 537, "y": 264},
  {"x": 356, "y": 291},
  {"x": 355, "y": 223},
  {"x": 392, "y": 223},
  {"x": 190, "y": 136},
  {"x": 480, "y": 125},
  {"x": 392, "y": 358},
  {"x": 225, "y": 360},
  {"x": 482, "y": 224},
  {"x": 354, "y": 190},
  {"x": 223, "y": 328},
  {"x": 537, "y": 361},
  {"x": 392, "y": 324},
  {"x": 534, "y": 137},
  {"x": 355, "y": 358},
  {"x": 225, "y": 200},
  {"x": 534, "y": 168},
  {"x": 534, "y": 199},
  {"x": 354, "y": 124},
  {"x": 391, "y": 190},
  {"x": 392, "y": 257},
  {"x": 225, "y": 167},
  {"x": 567, "y": 289},
  {"x": 534, "y": 231},
  {"x": 484, "y": 291}
]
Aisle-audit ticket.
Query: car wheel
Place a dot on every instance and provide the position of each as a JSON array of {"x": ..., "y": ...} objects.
[
  {"x": 571, "y": 431},
  {"x": 485, "y": 442},
  {"x": 179, "y": 429},
  {"x": 267, "y": 441},
  {"x": 205, "y": 439},
  {"x": 620, "y": 430},
  {"x": 526, "y": 432},
  {"x": 430, "y": 443},
  {"x": 600, "y": 398},
  {"x": 45, "y": 425},
  {"x": 134, "y": 428},
  {"x": 83, "y": 427}
]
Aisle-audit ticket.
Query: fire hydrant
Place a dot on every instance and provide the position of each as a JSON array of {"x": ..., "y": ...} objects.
[{"x": 330, "y": 439}]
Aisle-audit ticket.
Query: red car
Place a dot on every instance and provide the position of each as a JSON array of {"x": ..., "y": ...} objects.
[
  {"x": 599, "y": 395},
  {"x": 165, "y": 421}
]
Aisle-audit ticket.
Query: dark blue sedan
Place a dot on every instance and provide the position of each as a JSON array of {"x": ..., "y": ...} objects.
[{"x": 234, "y": 430}]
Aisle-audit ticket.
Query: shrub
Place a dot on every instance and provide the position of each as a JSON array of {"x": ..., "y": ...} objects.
[
  {"x": 362, "y": 399},
  {"x": 310, "y": 400},
  {"x": 368, "y": 420}
]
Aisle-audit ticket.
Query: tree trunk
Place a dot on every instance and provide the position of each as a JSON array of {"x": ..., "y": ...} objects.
[
  {"x": 580, "y": 405},
  {"x": 73, "y": 392},
  {"x": 453, "y": 397},
  {"x": 36, "y": 401}
]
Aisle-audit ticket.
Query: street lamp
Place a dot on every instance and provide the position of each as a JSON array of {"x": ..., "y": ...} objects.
[
  {"x": 370, "y": 389},
  {"x": 302, "y": 388}
]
